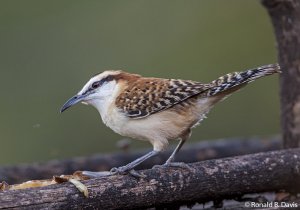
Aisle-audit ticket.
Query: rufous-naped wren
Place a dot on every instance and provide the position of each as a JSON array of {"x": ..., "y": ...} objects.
[{"x": 157, "y": 110}]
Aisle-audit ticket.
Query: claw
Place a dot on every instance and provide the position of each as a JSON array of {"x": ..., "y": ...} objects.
[
  {"x": 136, "y": 174},
  {"x": 174, "y": 164},
  {"x": 157, "y": 166},
  {"x": 122, "y": 170},
  {"x": 93, "y": 174},
  {"x": 178, "y": 164},
  {"x": 113, "y": 171}
]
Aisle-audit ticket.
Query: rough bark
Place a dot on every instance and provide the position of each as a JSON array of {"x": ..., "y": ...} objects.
[
  {"x": 285, "y": 16},
  {"x": 189, "y": 153},
  {"x": 207, "y": 180}
]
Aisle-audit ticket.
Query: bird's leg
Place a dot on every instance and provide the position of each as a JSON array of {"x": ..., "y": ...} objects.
[
  {"x": 170, "y": 162},
  {"x": 172, "y": 156},
  {"x": 129, "y": 168}
]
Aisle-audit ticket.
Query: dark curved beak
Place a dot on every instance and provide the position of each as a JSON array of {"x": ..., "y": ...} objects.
[{"x": 72, "y": 101}]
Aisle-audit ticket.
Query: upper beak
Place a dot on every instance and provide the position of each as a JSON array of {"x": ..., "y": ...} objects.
[{"x": 72, "y": 101}]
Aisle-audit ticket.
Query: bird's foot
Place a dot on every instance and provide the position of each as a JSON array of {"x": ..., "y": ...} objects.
[
  {"x": 157, "y": 166},
  {"x": 123, "y": 170},
  {"x": 174, "y": 164},
  {"x": 113, "y": 171},
  {"x": 93, "y": 174},
  {"x": 178, "y": 164}
]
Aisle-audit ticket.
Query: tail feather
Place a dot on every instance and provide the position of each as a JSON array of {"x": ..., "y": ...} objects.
[{"x": 239, "y": 79}]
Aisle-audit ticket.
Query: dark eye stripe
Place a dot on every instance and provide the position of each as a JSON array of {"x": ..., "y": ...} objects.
[
  {"x": 105, "y": 79},
  {"x": 99, "y": 83}
]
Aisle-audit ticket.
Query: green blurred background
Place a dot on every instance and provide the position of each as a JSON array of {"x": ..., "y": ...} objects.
[{"x": 49, "y": 49}]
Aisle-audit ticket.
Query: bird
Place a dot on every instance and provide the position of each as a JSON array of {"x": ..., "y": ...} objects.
[{"x": 157, "y": 110}]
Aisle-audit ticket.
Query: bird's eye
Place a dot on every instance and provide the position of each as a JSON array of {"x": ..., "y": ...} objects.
[{"x": 95, "y": 85}]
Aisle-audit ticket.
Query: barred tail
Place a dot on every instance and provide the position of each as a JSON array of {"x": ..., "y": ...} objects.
[{"x": 234, "y": 81}]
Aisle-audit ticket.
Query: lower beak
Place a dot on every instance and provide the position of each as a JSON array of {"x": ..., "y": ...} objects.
[{"x": 72, "y": 101}]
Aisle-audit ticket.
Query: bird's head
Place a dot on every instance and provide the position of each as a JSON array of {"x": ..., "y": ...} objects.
[{"x": 98, "y": 89}]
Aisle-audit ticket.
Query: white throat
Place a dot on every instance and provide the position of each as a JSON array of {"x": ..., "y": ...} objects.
[{"x": 104, "y": 100}]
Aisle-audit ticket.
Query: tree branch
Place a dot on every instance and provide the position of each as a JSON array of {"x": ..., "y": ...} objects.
[
  {"x": 208, "y": 180},
  {"x": 285, "y": 16},
  {"x": 189, "y": 153}
]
